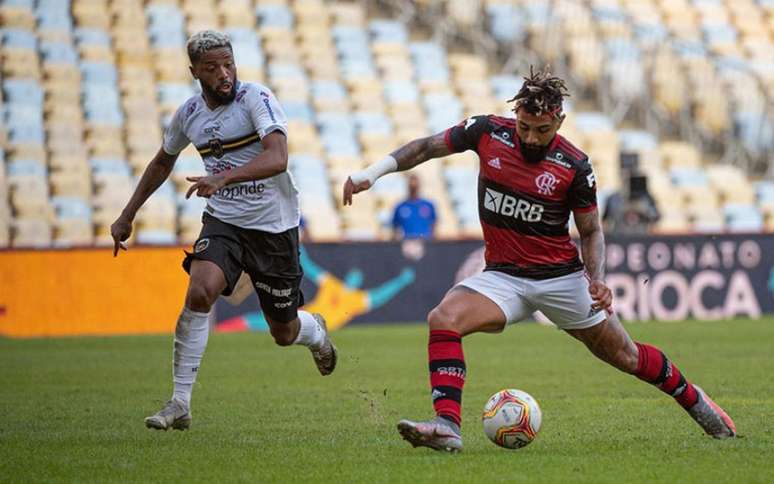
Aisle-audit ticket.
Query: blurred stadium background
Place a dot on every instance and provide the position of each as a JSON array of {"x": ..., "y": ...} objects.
[{"x": 681, "y": 89}]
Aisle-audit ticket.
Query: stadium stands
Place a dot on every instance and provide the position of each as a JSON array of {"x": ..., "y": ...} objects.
[{"x": 88, "y": 85}]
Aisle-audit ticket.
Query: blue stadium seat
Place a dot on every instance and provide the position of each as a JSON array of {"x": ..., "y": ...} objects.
[
  {"x": 688, "y": 177},
  {"x": 277, "y": 16},
  {"x": 58, "y": 53},
  {"x": 504, "y": 86},
  {"x": 18, "y": 38},
  {"x": 156, "y": 237},
  {"x": 743, "y": 218},
  {"x": 26, "y": 91},
  {"x": 328, "y": 89},
  {"x": 71, "y": 208},
  {"x": 388, "y": 31},
  {"x": 174, "y": 93},
  {"x": 25, "y": 4},
  {"x": 298, "y": 111},
  {"x": 373, "y": 123},
  {"x": 399, "y": 91},
  {"x": 506, "y": 22},
  {"x": 764, "y": 192},
  {"x": 26, "y": 168}
]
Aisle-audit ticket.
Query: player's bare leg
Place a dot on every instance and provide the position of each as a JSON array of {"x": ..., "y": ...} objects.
[
  {"x": 461, "y": 312},
  {"x": 610, "y": 342},
  {"x": 191, "y": 333},
  {"x": 307, "y": 330}
]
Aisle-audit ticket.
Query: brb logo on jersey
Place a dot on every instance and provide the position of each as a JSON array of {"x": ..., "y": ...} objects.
[
  {"x": 510, "y": 206},
  {"x": 546, "y": 183}
]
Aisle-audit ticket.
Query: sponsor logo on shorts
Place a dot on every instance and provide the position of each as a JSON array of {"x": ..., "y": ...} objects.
[
  {"x": 282, "y": 305},
  {"x": 201, "y": 245},
  {"x": 272, "y": 290}
]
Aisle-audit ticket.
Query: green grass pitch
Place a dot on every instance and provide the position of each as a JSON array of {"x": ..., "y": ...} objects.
[{"x": 72, "y": 409}]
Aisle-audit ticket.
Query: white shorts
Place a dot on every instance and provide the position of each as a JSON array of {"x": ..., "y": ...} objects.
[{"x": 564, "y": 300}]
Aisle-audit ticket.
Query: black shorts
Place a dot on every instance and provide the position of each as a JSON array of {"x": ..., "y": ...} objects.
[{"x": 271, "y": 261}]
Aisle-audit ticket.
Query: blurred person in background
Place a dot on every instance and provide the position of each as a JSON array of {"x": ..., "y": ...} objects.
[
  {"x": 632, "y": 211},
  {"x": 250, "y": 224},
  {"x": 414, "y": 218}
]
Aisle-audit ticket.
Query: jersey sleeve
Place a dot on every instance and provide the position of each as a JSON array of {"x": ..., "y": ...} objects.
[
  {"x": 175, "y": 140},
  {"x": 583, "y": 191},
  {"x": 266, "y": 112},
  {"x": 467, "y": 134}
]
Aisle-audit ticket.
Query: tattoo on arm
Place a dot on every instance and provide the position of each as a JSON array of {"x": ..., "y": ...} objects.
[
  {"x": 420, "y": 150},
  {"x": 592, "y": 243}
]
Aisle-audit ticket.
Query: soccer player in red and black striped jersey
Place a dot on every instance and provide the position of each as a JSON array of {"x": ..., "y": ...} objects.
[{"x": 531, "y": 179}]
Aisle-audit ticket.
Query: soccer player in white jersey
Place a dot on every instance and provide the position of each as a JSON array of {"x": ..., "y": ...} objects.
[{"x": 250, "y": 221}]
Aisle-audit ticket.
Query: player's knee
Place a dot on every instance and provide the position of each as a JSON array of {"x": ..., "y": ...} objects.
[
  {"x": 441, "y": 318},
  {"x": 200, "y": 298}
]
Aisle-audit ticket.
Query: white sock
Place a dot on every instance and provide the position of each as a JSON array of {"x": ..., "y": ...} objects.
[
  {"x": 191, "y": 335},
  {"x": 311, "y": 333}
]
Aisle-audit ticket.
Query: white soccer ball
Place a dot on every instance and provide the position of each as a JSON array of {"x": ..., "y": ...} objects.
[{"x": 511, "y": 418}]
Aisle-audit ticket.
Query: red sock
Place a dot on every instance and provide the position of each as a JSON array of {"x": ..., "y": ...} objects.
[
  {"x": 655, "y": 368},
  {"x": 447, "y": 373}
]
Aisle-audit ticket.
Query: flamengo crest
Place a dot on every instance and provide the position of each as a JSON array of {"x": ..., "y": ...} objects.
[{"x": 546, "y": 183}]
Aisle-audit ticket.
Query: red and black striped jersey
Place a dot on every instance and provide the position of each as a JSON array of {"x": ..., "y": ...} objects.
[{"x": 524, "y": 208}]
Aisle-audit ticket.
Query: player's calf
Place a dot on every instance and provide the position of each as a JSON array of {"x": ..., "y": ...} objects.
[{"x": 655, "y": 368}]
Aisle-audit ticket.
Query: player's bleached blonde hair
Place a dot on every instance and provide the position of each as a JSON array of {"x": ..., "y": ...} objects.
[{"x": 204, "y": 41}]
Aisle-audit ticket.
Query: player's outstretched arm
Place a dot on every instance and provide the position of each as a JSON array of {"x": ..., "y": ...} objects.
[
  {"x": 155, "y": 173},
  {"x": 593, "y": 250},
  {"x": 404, "y": 158}
]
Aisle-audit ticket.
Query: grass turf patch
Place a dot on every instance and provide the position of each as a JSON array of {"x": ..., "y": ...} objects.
[{"x": 72, "y": 409}]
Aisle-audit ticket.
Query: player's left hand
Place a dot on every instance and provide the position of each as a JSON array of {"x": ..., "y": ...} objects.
[
  {"x": 601, "y": 294},
  {"x": 205, "y": 186}
]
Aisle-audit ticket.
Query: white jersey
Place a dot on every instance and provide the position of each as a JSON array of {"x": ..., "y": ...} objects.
[{"x": 230, "y": 136}]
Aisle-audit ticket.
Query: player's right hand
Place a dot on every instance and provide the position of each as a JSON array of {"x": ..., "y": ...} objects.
[
  {"x": 120, "y": 231},
  {"x": 350, "y": 188}
]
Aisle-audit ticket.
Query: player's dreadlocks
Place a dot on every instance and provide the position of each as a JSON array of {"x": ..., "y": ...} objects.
[{"x": 541, "y": 93}]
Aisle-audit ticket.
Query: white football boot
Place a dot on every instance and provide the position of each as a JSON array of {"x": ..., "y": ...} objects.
[
  {"x": 174, "y": 415},
  {"x": 326, "y": 356},
  {"x": 438, "y": 434}
]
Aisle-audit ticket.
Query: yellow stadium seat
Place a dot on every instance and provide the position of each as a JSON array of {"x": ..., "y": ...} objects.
[
  {"x": 678, "y": 153},
  {"x": 17, "y": 17},
  {"x": 30, "y": 232},
  {"x": 68, "y": 233}
]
